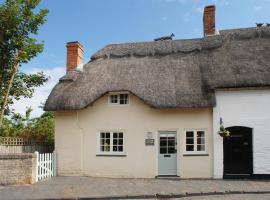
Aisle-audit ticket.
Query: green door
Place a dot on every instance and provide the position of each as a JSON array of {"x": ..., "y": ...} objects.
[{"x": 167, "y": 158}]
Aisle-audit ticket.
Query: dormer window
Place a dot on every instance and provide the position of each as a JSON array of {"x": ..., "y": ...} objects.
[{"x": 121, "y": 98}]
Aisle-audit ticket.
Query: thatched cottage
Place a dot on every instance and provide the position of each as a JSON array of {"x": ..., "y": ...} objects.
[{"x": 155, "y": 108}]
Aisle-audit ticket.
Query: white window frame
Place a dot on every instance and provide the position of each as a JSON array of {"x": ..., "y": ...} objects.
[
  {"x": 195, "y": 151},
  {"x": 118, "y": 98},
  {"x": 111, "y": 152}
]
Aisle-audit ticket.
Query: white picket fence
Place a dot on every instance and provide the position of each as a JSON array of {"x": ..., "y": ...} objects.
[{"x": 46, "y": 165}]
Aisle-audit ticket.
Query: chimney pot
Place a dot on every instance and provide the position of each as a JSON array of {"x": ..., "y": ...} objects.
[
  {"x": 74, "y": 55},
  {"x": 209, "y": 26}
]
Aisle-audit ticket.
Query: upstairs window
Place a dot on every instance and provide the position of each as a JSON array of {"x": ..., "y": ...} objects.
[{"x": 119, "y": 99}]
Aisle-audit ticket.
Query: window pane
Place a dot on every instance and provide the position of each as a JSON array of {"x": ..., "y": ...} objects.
[
  {"x": 115, "y": 135},
  {"x": 114, "y": 141},
  {"x": 101, "y": 148},
  {"x": 163, "y": 150},
  {"x": 120, "y": 141},
  {"x": 200, "y": 147},
  {"x": 171, "y": 142},
  {"x": 189, "y": 141},
  {"x": 107, "y": 141},
  {"x": 171, "y": 149},
  {"x": 163, "y": 142},
  {"x": 120, "y": 148},
  {"x": 102, "y": 141},
  {"x": 102, "y": 135},
  {"x": 189, "y": 147},
  {"x": 107, "y": 135},
  {"x": 189, "y": 134},
  {"x": 200, "y": 141},
  {"x": 120, "y": 135},
  {"x": 200, "y": 134},
  {"x": 123, "y": 98},
  {"x": 114, "y": 148},
  {"x": 107, "y": 147},
  {"x": 114, "y": 98}
]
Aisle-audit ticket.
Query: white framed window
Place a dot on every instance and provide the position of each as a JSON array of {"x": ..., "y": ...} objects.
[
  {"x": 120, "y": 98},
  {"x": 195, "y": 142},
  {"x": 111, "y": 143}
]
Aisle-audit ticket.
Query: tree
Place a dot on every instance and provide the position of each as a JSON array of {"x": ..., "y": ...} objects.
[
  {"x": 39, "y": 130},
  {"x": 18, "y": 25}
]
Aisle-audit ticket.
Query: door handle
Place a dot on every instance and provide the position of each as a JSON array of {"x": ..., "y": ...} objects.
[{"x": 167, "y": 155}]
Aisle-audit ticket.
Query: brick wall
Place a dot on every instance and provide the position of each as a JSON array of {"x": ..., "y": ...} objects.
[{"x": 17, "y": 168}]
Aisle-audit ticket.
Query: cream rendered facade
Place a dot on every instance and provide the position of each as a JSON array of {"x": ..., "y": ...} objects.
[{"x": 77, "y": 132}]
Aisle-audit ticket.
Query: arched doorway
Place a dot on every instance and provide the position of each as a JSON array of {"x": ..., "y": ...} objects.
[{"x": 237, "y": 150}]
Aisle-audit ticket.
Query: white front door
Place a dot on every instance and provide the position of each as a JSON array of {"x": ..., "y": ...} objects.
[{"x": 167, "y": 157}]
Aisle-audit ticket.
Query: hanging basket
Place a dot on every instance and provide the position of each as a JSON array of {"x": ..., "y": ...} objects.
[{"x": 223, "y": 132}]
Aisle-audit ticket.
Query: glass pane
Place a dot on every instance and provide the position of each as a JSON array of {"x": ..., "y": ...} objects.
[
  {"x": 123, "y": 98},
  {"x": 163, "y": 150},
  {"x": 114, "y": 135},
  {"x": 120, "y": 135},
  {"x": 200, "y": 147},
  {"x": 114, "y": 148},
  {"x": 114, "y": 141},
  {"x": 120, "y": 141},
  {"x": 200, "y": 141},
  {"x": 107, "y": 135},
  {"x": 102, "y": 135},
  {"x": 171, "y": 150},
  {"x": 102, "y": 141},
  {"x": 114, "y": 98},
  {"x": 200, "y": 134},
  {"x": 189, "y": 133},
  {"x": 120, "y": 148},
  {"x": 189, "y": 147},
  {"x": 163, "y": 143},
  {"x": 107, "y": 141},
  {"x": 171, "y": 142},
  {"x": 106, "y": 147},
  {"x": 101, "y": 148},
  {"x": 189, "y": 141}
]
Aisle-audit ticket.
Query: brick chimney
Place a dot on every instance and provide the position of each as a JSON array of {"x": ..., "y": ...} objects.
[
  {"x": 74, "y": 55},
  {"x": 209, "y": 27}
]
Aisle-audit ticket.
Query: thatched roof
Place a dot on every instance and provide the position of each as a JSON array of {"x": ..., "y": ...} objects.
[{"x": 170, "y": 74}]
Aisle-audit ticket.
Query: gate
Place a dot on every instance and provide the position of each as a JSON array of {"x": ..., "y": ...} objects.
[{"x": 46, "y": 165}]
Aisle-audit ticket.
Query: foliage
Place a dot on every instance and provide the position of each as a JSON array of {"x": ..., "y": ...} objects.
[
  {"x": 18, "y": 24},
  {"x": 23, "y": 86},
  {"x": 38, "y": 130},
  {"x": 223, "y": 132}
]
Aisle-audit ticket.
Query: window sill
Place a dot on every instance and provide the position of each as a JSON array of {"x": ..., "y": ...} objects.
[
  {"x": 111, "y": 155},
  {"x": 195, "y": 154}
]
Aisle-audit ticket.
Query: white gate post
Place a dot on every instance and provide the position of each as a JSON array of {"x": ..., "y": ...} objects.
[
  {"x": 54, "y": 162},
  {"x": 37, "y": 163}
]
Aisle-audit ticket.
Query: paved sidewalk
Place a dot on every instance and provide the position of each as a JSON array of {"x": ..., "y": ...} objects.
[{"x": 81, "y": 187}]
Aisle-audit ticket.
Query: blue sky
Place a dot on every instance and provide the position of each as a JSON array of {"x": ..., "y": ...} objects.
[{"x": 96, "y": 23}]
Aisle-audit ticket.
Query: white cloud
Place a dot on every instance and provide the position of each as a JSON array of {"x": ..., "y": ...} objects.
[
  {"x": 41, "y": 93},
  {"x": 257, "y": 8}
]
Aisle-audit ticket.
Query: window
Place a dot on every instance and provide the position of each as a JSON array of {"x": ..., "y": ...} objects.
[
  {"x": 111, "y": 142},
  {"x": 119, "y": 99},
  {"x": 195, "y": 141}
]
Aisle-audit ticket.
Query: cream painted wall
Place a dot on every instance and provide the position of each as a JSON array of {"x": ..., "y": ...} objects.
[{"x": 76, "y": 139}]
